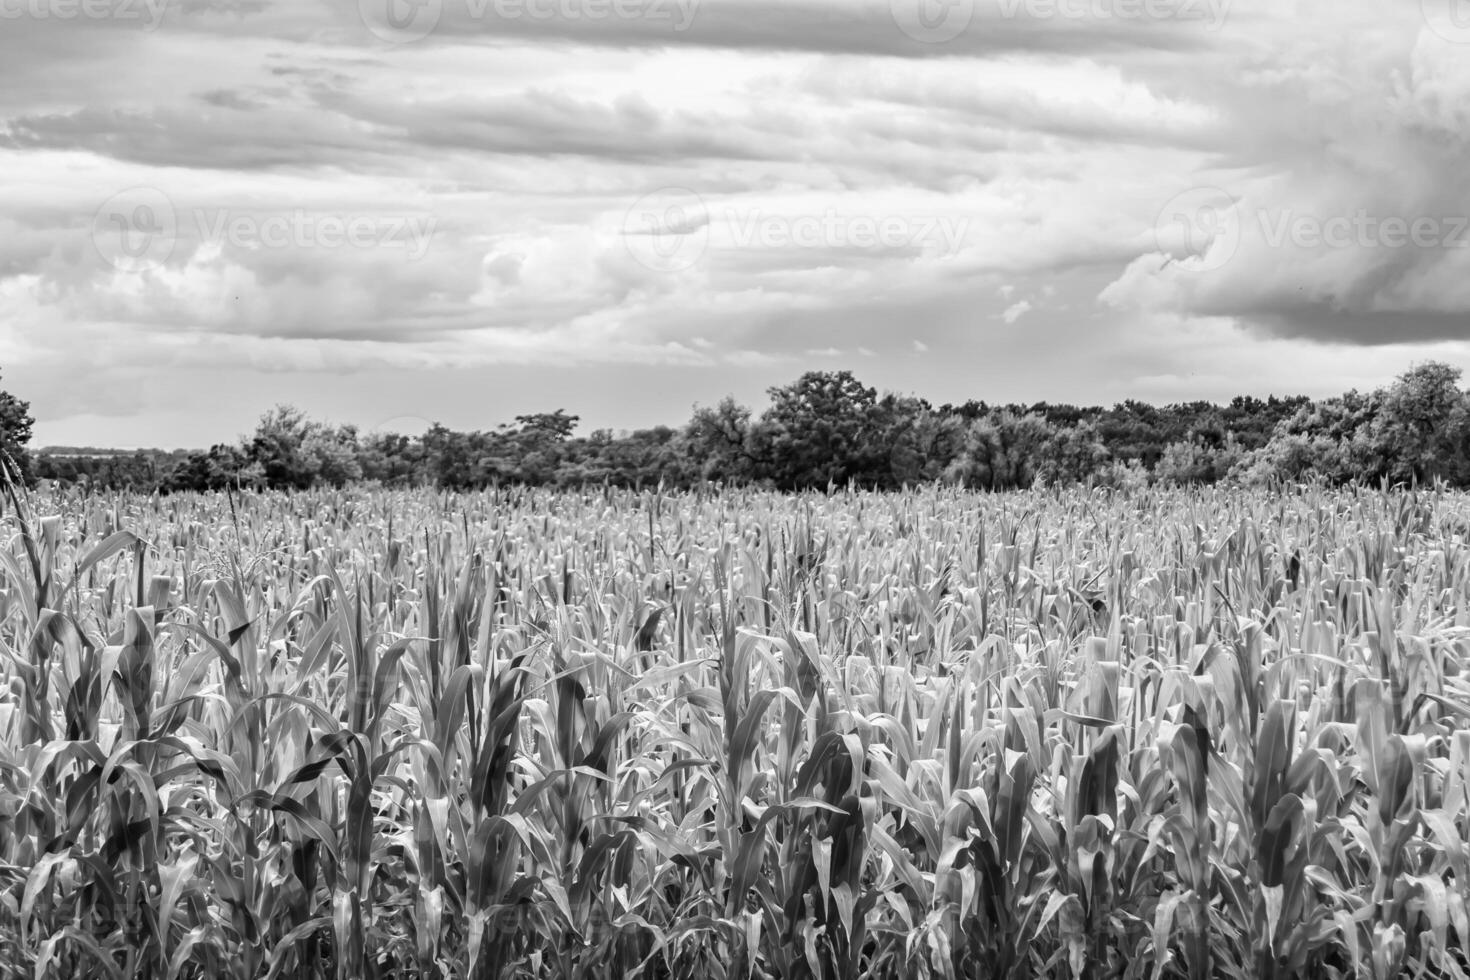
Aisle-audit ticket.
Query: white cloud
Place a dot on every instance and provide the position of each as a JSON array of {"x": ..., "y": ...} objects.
[{"x": 1015, "y": 311}]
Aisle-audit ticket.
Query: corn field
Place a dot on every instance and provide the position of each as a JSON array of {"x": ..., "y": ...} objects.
[{"x": 369, "y": 734}]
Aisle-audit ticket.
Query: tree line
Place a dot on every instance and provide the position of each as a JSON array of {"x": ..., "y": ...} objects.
[{"x": 829, "y": 429}]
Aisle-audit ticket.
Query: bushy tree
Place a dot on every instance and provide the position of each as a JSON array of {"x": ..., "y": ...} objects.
[
  {"x": 275, "y": 448},
  {"x": 218, "y": 469},
  {"x": 919, "y": 442},
  {"x": 718, "y": 440},
  {"x": 1002, "y": 451},
  {"x": 1073, "y": 454},
  {"x": 453, "y": 459},
  {"x": 1329, "y": 440},
  {"x": 1416, "y": 430},
  {"x": 393, "y": 459},
  {"x": 15, "y": 435},
  {"x": 290, "y": 451},
  {"x": 1126, "y": 475},
  {"x": 1420, "y": 429},
  {"x": 1197, "y": 461},
  {"x": 332, "y": 455},
  {"x": 823, "y": 429},
  {"x": 647, "y": 457},
  {"x": 534, "y": 449}
]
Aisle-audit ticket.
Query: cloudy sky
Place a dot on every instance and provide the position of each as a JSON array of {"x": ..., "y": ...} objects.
[{"x": 463, "y": 210}]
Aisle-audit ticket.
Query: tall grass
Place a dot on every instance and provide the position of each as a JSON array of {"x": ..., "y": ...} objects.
[{"x": 358, "y": 735}]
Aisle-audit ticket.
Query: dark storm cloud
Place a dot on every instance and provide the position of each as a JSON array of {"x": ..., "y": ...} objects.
[
  {"x": 1332, "y": 324},
  {"x": 861, "y": 27}
]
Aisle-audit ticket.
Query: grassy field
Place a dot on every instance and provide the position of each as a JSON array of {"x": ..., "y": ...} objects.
[{"x": 1160, "y": 734}]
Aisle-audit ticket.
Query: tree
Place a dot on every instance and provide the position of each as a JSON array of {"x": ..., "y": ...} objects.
[
  {"x": 555, "y": 426},
  {"x": 718, "y": 441},
  {"x": 449, "y": 458},
  {"x": 332, "y": 456},
  {"x": 1416, "y": 430},
  {"x": 1197, "y": 461},
  {"x": 537, "y": 447},
  {"x": 393, "y": 459},
  {"x": 1002, "y": 451},
  {"x": 276, "y": 448},
  {"x": 646, "y": 457},
  {"x": 217, "y": 469},
  {"x": 293, "y": 452},
  {"x": 1420, "y": 429},
  {"x": 919, "y": 442},
  {"x": 15, "y": 434},
  {"x": 824, "y": 428},
  {"x": 1073, "y": 454}
]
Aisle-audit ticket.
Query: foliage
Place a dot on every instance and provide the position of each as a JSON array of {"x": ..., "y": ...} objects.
[
  {"x": 1196, "y": 461},
  {"x": 291, "y": 451},
  {"x": 1422, "y": 429},
  {"x": 1002, "y": 452},
  {"x": 15, "y": 436},
  {"x": 828, "y": 429},
  {"x": 824, "y": 429},
  {"x": 719, "y": 438},
  {"x": 1412, "y": 432}
]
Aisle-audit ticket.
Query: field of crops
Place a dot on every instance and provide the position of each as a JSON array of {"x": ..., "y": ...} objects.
[{"x": 1157, "y": 734}]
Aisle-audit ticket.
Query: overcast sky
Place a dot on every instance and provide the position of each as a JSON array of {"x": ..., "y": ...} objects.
[{"x": 473, "y": 209}]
